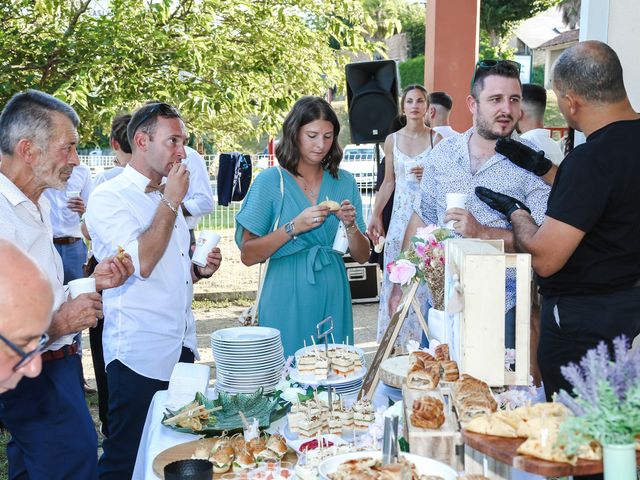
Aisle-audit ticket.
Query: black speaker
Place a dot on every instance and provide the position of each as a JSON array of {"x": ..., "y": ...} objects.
[{"x": 372, "y": 97}]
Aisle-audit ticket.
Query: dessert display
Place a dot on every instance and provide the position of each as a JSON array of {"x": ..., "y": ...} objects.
[
  {"x": 340, "y": 361},
  {"x": 427, "y": 412},
  {"x": 313, "y": 417},
  {"x": 472, "y": 397}
]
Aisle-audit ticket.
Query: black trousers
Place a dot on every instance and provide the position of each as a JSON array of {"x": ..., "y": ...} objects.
[
  {"x": 571, "y": 325},
  {"x": 97, "y": 357}
]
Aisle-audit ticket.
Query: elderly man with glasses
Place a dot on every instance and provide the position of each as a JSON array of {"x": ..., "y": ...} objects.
[
  {"x": 24, "y": 317},
  {"x": 149, "y": 325},
  {"x": 52, "y": 433},
  {"x": 460, "y": 163}
]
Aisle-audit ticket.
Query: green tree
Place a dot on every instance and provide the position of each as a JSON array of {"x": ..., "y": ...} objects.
[
  {"x": 412, "y": 71},
  {"x": 498, "y": 19},
  {"x": 412, "y": 19},
  {"x": 570, "y": 10},
  {"x": 233, "y": 67}
]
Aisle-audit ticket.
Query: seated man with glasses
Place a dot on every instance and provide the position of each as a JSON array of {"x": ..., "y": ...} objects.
[
  {"x": 460, "y": 163},
  {"x": 149, "y": 325},
  {"x": 26, "y": 303}
]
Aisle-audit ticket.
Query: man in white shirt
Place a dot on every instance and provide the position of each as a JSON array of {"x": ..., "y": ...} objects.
[
  {"x": 149, "y": 325},
  {"x": 52, "y": 433},
  {"x": 531, "y": 123},
  {"x": 437, "y": 116},
  {"x": 199, "y": 198},
  {"x": 24, "y": 317}
]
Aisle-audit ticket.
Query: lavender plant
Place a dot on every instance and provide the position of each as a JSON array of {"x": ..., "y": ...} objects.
[{"x": 606, "y": 401}]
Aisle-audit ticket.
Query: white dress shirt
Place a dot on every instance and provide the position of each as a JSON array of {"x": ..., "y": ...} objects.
[
  {"x": 28, "y": 226},
  {"x": 542, "y": 139},
  {"x": 199, "y": 198},
  {"x": 147, "y": 320},
  {"x": 107, "y": 175},
  {"x": 445, "y": 131},
  {"x": 66, "y": 222}
]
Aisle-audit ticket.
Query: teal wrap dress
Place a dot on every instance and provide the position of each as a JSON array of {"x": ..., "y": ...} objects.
[{"x": 306, "y": 279}]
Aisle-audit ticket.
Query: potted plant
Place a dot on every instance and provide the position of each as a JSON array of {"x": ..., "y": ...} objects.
[{"x": 606, "y": 405}]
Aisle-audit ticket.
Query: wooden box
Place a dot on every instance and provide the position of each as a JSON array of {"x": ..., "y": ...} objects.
[
  {"x": 444, "y": 444},
  {"x": 475, "y": 284}
]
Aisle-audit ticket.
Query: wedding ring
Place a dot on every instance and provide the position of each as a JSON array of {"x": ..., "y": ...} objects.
[{"x": 315, "y": 219}]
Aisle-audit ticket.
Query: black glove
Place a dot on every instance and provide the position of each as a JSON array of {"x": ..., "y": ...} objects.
[
  {"x": 504, "y": 204},
  {"x": 524, "y": 156}
]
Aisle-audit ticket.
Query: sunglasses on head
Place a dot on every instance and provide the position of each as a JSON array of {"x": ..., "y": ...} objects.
[
  {"x": 155, "y": 109},
  {"x": 487, "y": 65}
]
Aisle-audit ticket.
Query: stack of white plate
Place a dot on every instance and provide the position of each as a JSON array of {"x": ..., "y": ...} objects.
[{"x": 247, "y": 358}]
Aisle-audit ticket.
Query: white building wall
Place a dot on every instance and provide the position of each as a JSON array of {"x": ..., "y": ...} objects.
[{"x": 624, "y": 38}]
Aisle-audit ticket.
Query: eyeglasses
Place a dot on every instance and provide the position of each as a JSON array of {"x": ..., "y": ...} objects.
[
  {"x": 486, "y": 65},
  {"x": 26, "y": 356},
  {"x": 154, "y": 109}
]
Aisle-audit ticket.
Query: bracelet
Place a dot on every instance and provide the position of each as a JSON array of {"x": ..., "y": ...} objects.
[
  {"x": 197, "y": 273},
  {"x": 168, "y": 204}
]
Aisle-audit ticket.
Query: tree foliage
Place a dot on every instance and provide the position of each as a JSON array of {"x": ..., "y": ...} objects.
[
  {"x": 412, "y": 71},
  {"x": 233, "y": 67},
  {"x": 499, "y": 18},
  {"x": 570, "y": 10}
]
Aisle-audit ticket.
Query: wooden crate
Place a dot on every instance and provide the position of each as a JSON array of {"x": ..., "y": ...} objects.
[
  {"x": 476, "y": 334},
  {"x": 444, "y": 444}
]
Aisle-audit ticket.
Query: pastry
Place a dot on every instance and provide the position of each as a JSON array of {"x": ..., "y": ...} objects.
[
  {"x": 419, "y": 357},
  {"x": 442, "y": 352},
  {"x": 427, "y": 412},
  {"x": 332, "y": 204},
  {"x": 449, "y": 371},
  {"x": 422, "y": 378}
]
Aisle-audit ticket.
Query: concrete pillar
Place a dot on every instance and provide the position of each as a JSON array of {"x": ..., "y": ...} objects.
[{"x": 451, "y": 50}]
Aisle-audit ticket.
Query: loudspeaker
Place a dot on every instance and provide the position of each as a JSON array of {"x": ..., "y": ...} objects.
[{"x": 372, "y": 97}]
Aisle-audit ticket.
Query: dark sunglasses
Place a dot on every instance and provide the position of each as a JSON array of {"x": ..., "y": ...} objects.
[
  {"x": 486, "y": 65},
  {"x": 26, "y": 357},
  {"x": 155, "y": 109}
]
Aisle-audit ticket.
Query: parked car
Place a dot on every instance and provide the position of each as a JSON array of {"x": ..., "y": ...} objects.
[{"x": 360, "y": 160}]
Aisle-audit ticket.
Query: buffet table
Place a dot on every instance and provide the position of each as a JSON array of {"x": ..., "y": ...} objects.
[{"x": 156, "y": 438}]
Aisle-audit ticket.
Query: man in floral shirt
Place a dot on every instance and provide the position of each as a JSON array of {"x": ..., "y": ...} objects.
[{"x": 461, "y": 163}]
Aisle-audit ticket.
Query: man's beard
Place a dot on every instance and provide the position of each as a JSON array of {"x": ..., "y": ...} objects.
[
  {"x": 483, "y": 127},
  {"x": 43, "y": 175}
]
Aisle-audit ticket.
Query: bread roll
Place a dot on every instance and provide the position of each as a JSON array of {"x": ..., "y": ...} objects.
[
  {"x": 442, "y": 352},
  {"x": 423, "y": 378}
]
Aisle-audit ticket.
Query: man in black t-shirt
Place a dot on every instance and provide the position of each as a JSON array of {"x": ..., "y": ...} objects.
[{"x": 587, "y": 252}]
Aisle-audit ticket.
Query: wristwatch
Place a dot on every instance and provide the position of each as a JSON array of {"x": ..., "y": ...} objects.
[{"x": 289, "y": 228}]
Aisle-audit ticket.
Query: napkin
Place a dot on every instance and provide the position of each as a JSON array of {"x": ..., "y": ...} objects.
[{"x": 186, "y": 380}]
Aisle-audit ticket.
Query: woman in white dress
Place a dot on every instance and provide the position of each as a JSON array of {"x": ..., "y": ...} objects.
[{"x": 410, "y": 145}]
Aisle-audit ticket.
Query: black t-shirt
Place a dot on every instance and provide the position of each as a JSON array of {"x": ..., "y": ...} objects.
[{"x": 597, "y": 190}]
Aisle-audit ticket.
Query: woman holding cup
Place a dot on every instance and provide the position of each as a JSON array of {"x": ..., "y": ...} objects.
[
  {"x": 283, "y": 218},
  {"x": 406, "y": 152}
]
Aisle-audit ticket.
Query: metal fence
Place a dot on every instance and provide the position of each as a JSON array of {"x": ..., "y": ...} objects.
[{"x": 233, "y": 276}]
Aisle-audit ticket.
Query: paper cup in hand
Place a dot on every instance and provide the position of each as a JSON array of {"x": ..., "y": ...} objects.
[
  {"x": 408, "y": 174},
  {"x": 73, "y": 193},
  {"x": 207, "y": 241},
  {"x": 82, "y": 285},
  {"x": 455, "y": 200}
]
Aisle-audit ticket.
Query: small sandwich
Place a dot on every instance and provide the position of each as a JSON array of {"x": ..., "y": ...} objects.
[
  {"x": 321, "y": 368},
  {"x": 221, "y": 461},
  {"x": 277, "y": 445},
  {"x": 306, "y": 364},
  {"x": 294, "y": 420},
  {"x": 266, "y": 455},
  {"x": 342, "y": 365},
  {"x": 310, "y": 426},
  {"x": 423, "y": 378},
  {"x": 256, "y": 445},
  {"x": 244, "y": 461},
  {"x": 332, "y": 204},
  {"x": 335, "y": 423},
  {"x": 363, "y": 414}
]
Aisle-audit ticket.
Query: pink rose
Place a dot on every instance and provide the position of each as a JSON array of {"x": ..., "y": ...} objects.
[
  {"x": 425, "y": 232},
  {"x": 421, "y": 249},
  {"x": 402, "y": 272}
]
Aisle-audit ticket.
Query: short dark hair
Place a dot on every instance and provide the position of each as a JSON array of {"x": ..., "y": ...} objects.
[
  {"x": 146, "y": 118},
  {"x": 28, "y": 115},
  {"x": 592, "y": 70},
  {"x": 304, "y": 111},
  {"x": 119, "y": 131},
  {"x": 534, "y": 98},
  {"x": 441, "y": 98},
  {"x": 501, "y": 68}
]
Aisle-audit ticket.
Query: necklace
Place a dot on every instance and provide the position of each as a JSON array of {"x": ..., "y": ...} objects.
[{"x": 309, "y": 190}]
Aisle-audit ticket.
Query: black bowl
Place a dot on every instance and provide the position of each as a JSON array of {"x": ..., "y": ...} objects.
[{"x": 189, "y": 470}]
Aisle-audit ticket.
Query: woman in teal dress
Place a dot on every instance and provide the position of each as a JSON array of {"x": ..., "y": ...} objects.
[{"x": 306, "y": 279}]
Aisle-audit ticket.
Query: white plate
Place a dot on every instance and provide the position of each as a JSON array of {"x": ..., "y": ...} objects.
[
  {"x": 332, "y": 379},
  {"x": 245, "y": 334},
  {"x": 424, "y": 466}
]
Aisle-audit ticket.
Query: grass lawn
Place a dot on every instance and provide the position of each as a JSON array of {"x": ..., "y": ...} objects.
[{"x": 552, "y": 115}]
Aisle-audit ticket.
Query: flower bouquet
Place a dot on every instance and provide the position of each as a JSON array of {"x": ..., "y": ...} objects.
[
  {"x": 424, "y": 261},
  {"x": 607, "y": 397}
]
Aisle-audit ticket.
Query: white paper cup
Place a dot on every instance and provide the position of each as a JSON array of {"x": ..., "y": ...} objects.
[
  {"x": 82, "y": 285},
  {"x": 73, "y": 193},
  {"x": 455, "y": 200},
  {"x": 207, "y": 241},
  {"x": 408, "y": 165}
]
